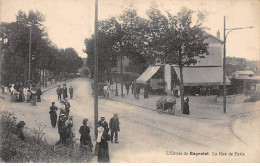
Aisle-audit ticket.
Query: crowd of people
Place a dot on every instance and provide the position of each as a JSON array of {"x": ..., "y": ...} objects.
[
  {"x": 23, "y": 92},
  {"x": 66, "y": 128}
]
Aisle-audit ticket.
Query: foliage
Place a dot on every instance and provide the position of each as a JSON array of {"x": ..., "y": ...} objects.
[
  {"x": 45, "y": 54},
  {"x": 34, "y": 148}
]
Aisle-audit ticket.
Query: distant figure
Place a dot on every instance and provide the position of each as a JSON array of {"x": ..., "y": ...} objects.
[
  {"x": 146, "y": 92},
  {"x": 127, "y": 86},
  {"x": 19, "y": 130},
  {"x": 186, "y": 109},
  {"x": 3, "y": 90},
  {"x": 53, "y": 114},
  {"x": 71, "y": 91},
  {"x": 114, "y": 127},
  {"x": 62, "y": 129},
  {"x": 59, "y": 92},
  {"x": 137, "y": 89},
  {"x": 39, "y": 93},
  {"x": 85, "y": 139},
  {"x": 62, "y": 109},
  {"x": 64, "y": 91},
  {"x": 103, "y": 151},
  {"x": 67, "y": 107},
  {"x": 133, "y": 87},
  {"x": 33, "y": 96}
]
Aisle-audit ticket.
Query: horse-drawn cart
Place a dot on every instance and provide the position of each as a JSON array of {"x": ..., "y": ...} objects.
[{"x": 164, "y": 105}]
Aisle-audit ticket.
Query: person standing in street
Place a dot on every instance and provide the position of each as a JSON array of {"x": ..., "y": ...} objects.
[
  {"x": 103, "y": 151},
  {"x": 127, "y": 86},
  {"x": 59, "y": 91},
  {"x": 71, "y": 91},
  {"x": 104, "y": 124},
  {"x": 39, "y": 93},
  {"x": 146, "y": 92},
  {"x": 64, "y": 91},
  {"x": 62, "y": 129},
  {"x": 85, "y": 139},
  {"x": 137, "y": 91},
  {"x": 67, "y": 107},
  {"x": 53, "y": 114},
  {"x": 186, "y": 108},
  {"x": 114, "y": 127}
]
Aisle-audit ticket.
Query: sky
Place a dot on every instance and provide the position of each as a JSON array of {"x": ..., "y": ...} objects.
[{"x": 69, "y": 22}]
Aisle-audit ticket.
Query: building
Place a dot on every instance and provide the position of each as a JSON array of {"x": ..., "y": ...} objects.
[
  {"x": 244, "y": 74},
  {"x": 206, "y": 75}
]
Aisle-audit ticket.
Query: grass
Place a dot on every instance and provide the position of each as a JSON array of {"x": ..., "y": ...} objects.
[{"x": 34, "y": 148}]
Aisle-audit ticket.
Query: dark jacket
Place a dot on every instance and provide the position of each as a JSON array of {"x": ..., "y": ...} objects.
[
  {"x": 59, "y": 91},
  {"x": 61, "y": 126},
  {"x": 53, "y": 110},
  {"x": 114, "y": 124}
]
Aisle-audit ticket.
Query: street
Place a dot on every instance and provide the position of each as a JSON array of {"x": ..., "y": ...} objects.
[{"x": 145, "y": 135}]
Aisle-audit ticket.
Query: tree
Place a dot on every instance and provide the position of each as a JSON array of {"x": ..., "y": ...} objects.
[{"x": 185, "y": 43}]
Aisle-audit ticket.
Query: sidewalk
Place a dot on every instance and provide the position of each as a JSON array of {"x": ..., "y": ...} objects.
[{"x": 201, "y": 107}]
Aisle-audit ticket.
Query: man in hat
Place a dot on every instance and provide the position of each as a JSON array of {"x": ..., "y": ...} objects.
[
  {"x": 64, "y": 91},
  {"x": 62, "y": 128},
  {"x": 53, "y": 114},
  {"x": 114, "y": 127},
  {"x": 59, "y": 91},
  {"x": 104, "y": 124},
  {"x": 67, "y": 107}
]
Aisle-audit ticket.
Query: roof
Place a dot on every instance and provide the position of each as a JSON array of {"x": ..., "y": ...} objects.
[
  {"x": 202, "y": 76},
  {"x": 147, "y": 74},
  {"x": 245, "y": 72},
  {"x": 214, "y": 37}
]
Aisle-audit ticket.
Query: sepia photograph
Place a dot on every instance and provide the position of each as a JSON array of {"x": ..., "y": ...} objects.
[{"x": 129, "y": 81}]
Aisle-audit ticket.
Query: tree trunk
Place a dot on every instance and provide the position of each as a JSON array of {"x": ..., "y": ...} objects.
[{"x": 181, "y": 87}]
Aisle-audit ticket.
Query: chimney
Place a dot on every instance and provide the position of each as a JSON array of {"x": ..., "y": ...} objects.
[{"x": 218, "y": 34}]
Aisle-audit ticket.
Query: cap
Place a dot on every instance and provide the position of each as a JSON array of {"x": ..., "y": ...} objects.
[
  {"x": 62, "y": 115},
  {"x": 102, "y": 118}
]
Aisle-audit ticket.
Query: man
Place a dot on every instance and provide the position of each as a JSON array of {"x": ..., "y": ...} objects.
[
  {"x": 59, "y": 91},
  {"x": 67, "y": 107},
  {"x": 62, "y": 129},
  {"x": 71, "y": 91},
  {"x": 39, "y": 93},
  {"x": 64, "y": 91},
  {"x": 104, "y": 124},
  {"x": 114, "y": 127},
  {"x": 137, "y": 91},
  {"x": 53, "y": 114},
  {"x": 127, "y": 86},
  {"x": 70, "y": 132}
]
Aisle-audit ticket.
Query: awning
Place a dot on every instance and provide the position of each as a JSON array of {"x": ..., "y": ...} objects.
[
  {"x": 202, "y": 76},
  {"x": 148, "y": 73}
]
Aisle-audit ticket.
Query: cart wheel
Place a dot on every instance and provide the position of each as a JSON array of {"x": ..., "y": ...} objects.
[
  {"x": 171, "y": 111},
  {"x": 160, "y": 111}
]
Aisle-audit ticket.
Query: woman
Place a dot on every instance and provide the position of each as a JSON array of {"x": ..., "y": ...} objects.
[
  {"x": 69, "y": 132},
  {"x": 186, "y": 109},
  {"x": 85, "y": 139},
  {"x": 103, "y": 152}
]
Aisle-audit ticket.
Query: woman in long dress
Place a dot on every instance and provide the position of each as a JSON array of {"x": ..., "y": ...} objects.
[
  {"x": 186, "y": 108},
  {"x": 85, "y": 139},
  {"x": 103, "y": 151}
]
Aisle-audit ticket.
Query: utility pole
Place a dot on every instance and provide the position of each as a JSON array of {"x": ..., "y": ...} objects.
[
  {"x": 121, "y": 71},
  {"x": 30, "y": 56},
  {"x": 96, "y": 70},
  {"x": 224, "y": 60},
  {"x": 224, "y": 69},
  {"x": 1, "y": 42}
]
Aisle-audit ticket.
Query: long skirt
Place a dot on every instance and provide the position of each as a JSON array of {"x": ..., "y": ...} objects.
[
  {"x": 186, "y": 108},
  {"x": 103, "y": 155}
]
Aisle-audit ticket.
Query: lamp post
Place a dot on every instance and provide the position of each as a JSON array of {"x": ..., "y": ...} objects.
[
  {"x": 30, "y": 55},
  {"x": 96, "y": 70},
  {"x": 224, "y": 59}
]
